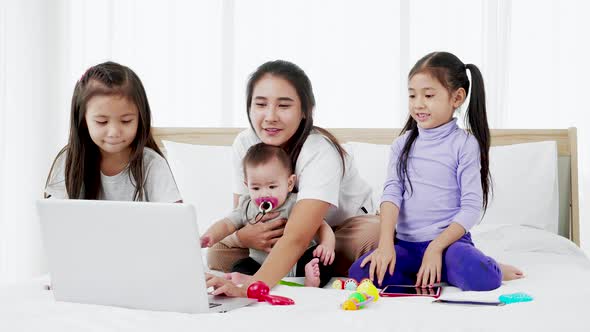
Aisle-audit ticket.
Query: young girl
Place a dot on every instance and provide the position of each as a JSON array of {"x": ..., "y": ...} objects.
[
  {"x": 437, "y": 184},
  {"x": 270, "y": 180},
  {"x": 111, "y": 154}
]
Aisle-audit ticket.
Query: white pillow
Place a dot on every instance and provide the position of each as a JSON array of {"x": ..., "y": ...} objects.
[
  {"x": 371, "y": 161},
  {"x": 524, "y": 177},
  {"x": 203, "y": 174},
  {"x": 525, "y": 185},
  {"x": 497, "y": 238}
]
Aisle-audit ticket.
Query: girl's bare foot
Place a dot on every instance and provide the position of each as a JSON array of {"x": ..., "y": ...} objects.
[
  {"x": 510, "y": 272},
  {"x": 312, "y": 273}
]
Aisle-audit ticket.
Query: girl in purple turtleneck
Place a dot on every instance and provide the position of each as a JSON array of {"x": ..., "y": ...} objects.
[{"x": 437, "y": 185}]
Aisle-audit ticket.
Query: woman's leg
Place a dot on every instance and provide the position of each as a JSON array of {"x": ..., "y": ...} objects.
[
  {"x": 354, "y": 238},
  {"x": 466, "y": 267},
  {"x": 224, "y": 254}
]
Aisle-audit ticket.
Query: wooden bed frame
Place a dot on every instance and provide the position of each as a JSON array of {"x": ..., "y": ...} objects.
[{"x": 569, "y": 223}]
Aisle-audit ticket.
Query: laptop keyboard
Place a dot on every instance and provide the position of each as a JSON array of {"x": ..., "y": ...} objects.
[{"x": 213, "y": 305}]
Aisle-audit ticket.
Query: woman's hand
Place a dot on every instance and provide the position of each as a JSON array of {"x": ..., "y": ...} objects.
[
  {"x": 223, "y": 286},
  {"x": 430, "y": 270},
  {"x": 262, "y": 235},
  {"x": 380, "y": 259}
]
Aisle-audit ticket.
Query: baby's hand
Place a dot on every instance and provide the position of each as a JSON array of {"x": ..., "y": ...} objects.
[
  {"x": 206, "y": 241},
  {"x": 325, "y": 254}
]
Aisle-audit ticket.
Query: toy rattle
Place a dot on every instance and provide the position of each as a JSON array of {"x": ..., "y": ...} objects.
[
  {"x": 260, "y": 291},
  {"x": 356, "y": 301},
  {"x": 365, "y": 293},
  {"x": 348, "y": 284}
]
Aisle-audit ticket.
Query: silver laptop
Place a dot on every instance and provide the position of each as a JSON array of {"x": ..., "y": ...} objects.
[{"x": 127, "y": 254}]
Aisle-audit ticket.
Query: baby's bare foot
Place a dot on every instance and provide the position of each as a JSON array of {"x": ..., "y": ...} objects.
[
  {"x": 312, "y": 273},
  {"x": 510, "y": 272}
]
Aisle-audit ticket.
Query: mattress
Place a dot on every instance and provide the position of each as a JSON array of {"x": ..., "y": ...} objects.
[{"x": 557, "y": 275}]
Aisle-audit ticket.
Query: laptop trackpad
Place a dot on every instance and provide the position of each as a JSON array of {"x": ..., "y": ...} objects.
[{"x": 226, "y": 303}]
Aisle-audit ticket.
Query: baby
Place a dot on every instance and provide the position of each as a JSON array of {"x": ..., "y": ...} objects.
[{"x": 270, "y": 180}]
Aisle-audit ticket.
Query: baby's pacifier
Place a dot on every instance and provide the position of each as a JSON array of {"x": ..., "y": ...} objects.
[{"x": 266, "y": 204}]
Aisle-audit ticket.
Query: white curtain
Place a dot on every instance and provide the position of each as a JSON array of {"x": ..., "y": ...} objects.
[
  {"x": 194, "y": 58},
  {"x": 27, "y": 130}
]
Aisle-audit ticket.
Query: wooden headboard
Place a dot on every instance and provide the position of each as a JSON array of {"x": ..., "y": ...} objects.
[{"x": 569, "y": 222}]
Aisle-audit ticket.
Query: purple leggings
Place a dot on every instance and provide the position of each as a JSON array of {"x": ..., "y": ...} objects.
[{"x": 463, "y": 266}]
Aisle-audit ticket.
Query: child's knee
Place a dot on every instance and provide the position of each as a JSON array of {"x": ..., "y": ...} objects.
[
  {"x": 489, "y": 280},
  {"x": 480, "y": 276},
  {"x": 470, "y": 270},
  {"x": 356, "y": 272}
]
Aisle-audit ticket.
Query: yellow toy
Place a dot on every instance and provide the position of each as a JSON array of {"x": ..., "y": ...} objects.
[
  {"x": 365, "y": 293},
  {"x": 367, "y": 287}
]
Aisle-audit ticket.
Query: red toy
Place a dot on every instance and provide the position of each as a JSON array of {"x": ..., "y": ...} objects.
[{"x": 260, "y": 291}]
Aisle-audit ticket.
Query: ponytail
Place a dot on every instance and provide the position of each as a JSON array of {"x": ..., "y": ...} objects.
[{"x": 477, "y": 122}]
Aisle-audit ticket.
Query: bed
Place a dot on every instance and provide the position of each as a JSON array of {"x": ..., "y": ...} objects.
[{"x": 538, "y": 233}]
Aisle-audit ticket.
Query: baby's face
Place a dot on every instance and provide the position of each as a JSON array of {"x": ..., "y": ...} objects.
[{"x": 270, "y": 179}]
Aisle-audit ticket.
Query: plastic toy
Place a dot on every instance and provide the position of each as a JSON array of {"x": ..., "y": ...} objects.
[
  {"x": 351, "y": 284},
  {"x": 338, "y": 284},
  {"x": 365, "y": 293},
  {"x": 260, "y": 291},
  {"x": 348, "y": 284},
  {"x": 356, "y": 301},
  {"x": 366, "y": 286},
  {"x": 290, "y": 283},
  {"x": 515, "y": 298}
]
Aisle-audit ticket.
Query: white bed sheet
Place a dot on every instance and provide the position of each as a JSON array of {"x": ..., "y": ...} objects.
[{"x": 557, "y": 275}]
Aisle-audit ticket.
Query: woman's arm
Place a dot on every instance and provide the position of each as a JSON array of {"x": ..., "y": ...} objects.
[{"x": 305, "y": 219}]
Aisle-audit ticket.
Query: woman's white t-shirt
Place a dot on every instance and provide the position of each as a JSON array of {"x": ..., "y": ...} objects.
[
  {"x": 319, "y": 176},
  {"x": 159, "y": 185}
]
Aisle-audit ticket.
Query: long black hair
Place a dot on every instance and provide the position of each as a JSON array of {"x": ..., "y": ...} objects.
[
  {"x": 82, "y": 166},
  {"x": 452, "y": 74},
  {"x": 299, "y": 80}
]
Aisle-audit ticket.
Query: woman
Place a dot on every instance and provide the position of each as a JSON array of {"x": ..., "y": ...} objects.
[{"x": 280, "y": 105}]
